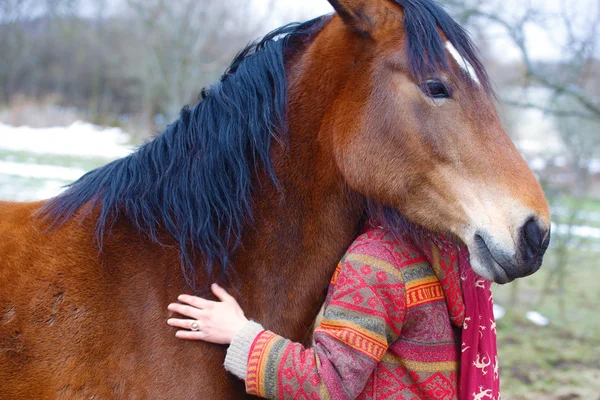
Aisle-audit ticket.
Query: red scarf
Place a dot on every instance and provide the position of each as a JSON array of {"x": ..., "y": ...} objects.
[
  {"x": 470, "y": 304},
  {"x": 479, "y": 378}
]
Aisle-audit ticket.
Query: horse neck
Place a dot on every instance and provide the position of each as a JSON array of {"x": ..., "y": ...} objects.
[
  {"x": 301, "y": 232},
  {"x": 288, "y": 258}
]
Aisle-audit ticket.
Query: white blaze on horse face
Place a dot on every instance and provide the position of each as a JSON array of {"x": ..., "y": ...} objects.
[{"x": 462, "y": 62}]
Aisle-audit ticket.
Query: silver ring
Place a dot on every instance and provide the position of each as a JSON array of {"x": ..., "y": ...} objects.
[{"x": 195, "y": 327}]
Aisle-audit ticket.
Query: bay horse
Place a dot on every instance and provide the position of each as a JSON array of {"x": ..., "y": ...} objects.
[{"x": 262, "y": 186}]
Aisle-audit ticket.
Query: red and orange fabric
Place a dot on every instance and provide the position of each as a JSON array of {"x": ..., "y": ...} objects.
[{"x": 393, "y": 323}]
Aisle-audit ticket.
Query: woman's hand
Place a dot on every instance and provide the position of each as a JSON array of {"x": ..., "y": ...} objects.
[{"x": 212, "y": 321}]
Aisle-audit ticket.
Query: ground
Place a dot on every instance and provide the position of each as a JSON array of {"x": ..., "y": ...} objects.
[{"x": 561, "y": 360}]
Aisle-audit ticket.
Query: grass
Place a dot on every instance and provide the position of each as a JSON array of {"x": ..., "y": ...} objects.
[
  {"x": 562, "y": 360},
  {"x": 546, "y": 362},
  {"x": 587, "y": 204}
]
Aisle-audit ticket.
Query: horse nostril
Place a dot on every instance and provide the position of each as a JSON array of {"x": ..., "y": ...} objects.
[
  {"x": 534, "y": 242},
  {"x": 534, "y": 235}
]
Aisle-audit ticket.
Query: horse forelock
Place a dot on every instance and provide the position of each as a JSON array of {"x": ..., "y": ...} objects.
[
  {"x": 194, "y": 180},
  {"x": 426, "y": 49}
]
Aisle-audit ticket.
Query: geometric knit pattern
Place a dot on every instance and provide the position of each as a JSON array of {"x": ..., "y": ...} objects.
[{"x": 388, "y": 331}]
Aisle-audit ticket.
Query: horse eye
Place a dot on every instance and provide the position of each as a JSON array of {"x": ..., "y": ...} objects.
[{"x": 435, "y": 89}]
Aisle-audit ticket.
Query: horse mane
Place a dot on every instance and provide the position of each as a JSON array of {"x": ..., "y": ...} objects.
[{"x": 194, "y": 180}]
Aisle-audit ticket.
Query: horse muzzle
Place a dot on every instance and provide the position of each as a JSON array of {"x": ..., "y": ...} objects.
[{"x": 495, "y": 261}]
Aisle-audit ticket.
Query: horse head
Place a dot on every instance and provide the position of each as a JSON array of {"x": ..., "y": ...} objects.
[{"x": 415, "y": 127}]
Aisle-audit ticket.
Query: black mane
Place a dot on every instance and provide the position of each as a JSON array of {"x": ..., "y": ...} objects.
[{"x": 194, "y": 180}]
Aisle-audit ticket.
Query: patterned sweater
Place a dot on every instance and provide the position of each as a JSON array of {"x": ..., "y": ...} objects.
[{"x": 391, "y": 330}]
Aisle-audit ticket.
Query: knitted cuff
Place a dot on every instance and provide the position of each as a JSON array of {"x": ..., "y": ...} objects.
[{"x": 236, "y": 360}]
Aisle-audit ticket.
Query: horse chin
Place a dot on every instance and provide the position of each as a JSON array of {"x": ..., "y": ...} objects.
[
  {"x": 484, "y": 265},
  {"x": 492, "y": 261}
]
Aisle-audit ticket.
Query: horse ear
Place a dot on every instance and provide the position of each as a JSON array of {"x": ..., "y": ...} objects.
[{"x": 360, "y": 15}]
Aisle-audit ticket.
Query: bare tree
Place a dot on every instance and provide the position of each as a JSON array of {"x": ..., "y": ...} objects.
[
  {"x": 117, "y": 60},
  {"x": 187, "y": 44},
  {"x": 13, "y": 45}
]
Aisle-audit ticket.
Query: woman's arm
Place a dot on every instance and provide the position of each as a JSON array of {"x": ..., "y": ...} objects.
[{"x": 363, "y": 317}]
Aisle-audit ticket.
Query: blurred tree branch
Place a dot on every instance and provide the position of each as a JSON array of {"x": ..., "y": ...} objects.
[
  {"x": 123, "y": 58},
  {"x": 579, "y": 48},
  {"x": 190, "y": 43},
  {"x": 546, "y": 109}
]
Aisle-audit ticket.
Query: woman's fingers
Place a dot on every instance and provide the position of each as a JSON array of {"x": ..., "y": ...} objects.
[
  {"x": 191, "y": 335},
  {"x": 197, "y": 302},
  {"x": 221, "y": 293},
  {"x": 188, "y": 311},
  {"x": 184, "y": 323}
]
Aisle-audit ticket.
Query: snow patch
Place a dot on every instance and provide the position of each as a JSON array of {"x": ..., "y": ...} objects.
[
  {"x": 499, "y": 312},
  {"x": 79, "y": 139},
  {"x": 537, "y": 318}
]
